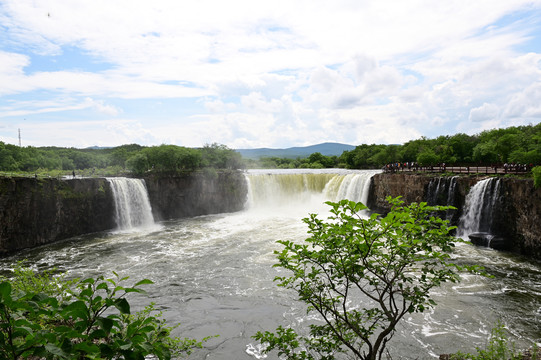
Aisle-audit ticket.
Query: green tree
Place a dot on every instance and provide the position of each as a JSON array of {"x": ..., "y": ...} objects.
[
  {"x": 190, "y": 159},
  {"x": 462, "y": 146},
  {"x": 163, "y": 158},
  {"x": 138, "y": 163},
  {"x": 362, "y": 276},
  {"x": 412, "y": 149},
  {"x": 485, "y": 152},
  {"x": 427, "y": 158},
  {"x": 7, "y": 161},
  {"x": 220, "y": 157}
]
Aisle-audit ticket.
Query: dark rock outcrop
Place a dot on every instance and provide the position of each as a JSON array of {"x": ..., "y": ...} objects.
[
  {"x": 520, "y": 219},
  {"x": 194, "y": 194},
  {"x": 39, "y": 211},
  {"x": 489, "y": 240},
  {"x": 34, "y": 212},
  {"x": 516, "y": 223}
]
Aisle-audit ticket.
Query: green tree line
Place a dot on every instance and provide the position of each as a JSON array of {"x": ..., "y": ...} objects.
[
  {"x": 133, "y": 158},
  {"x": 520, "y": 145},
  {"x": 313, "y": 161}
]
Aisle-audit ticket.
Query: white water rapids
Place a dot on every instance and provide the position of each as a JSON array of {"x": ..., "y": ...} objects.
[{"x": 214, "y": 275}]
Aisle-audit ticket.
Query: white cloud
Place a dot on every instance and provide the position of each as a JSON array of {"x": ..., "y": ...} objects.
[
  {"x": 58, "y": 105},
  {"x": 526, "y": 103},
  {"x": 100, "y": 133},
  {"x": 275, "y": 72},
  {"x": 484, "y": 112}
]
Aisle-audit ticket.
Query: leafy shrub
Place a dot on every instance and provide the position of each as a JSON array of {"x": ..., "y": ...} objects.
[
  {"x": 47, "y": 317},
  {"x": 498, "y": 348},
  {"x": 536, "y": 171}
]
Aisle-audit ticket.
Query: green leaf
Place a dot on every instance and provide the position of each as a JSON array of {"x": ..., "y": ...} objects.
[
  {"x": 102, "y": 286},
  {"x": 144, "y": 282},
  {"x": 87, "y": 349},
  {"x": 55, "y": 350},
  {"x": 106, "y": 324},
  {"x": 122, "y": 305},
  {"x": 76, "y": 310},
  {"x": 5, "y": 291},
  {"x": 88, "y": 281}
]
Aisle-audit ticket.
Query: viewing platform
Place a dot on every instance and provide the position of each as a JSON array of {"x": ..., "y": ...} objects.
[{"x": 472, "y": 169}]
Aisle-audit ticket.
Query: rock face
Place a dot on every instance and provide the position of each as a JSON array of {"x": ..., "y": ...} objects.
[
  {"x": 196, "y": 194},
  {"x": 34, "y": 212},
  {"x": 39, "y": 211},
  {"x": 412, "y": 188},
  {"x": 521, "y": 216},
  {"x": 516, "y": 219}
]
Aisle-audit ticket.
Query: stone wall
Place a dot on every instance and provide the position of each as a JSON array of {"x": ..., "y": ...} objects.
[{"x": 517, "y": 219}]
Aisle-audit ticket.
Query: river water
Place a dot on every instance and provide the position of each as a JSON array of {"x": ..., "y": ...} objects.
[{"x": 214, "y": 275}]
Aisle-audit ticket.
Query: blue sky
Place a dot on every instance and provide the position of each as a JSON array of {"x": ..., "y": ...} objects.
[{"x": 276, "y": 74}]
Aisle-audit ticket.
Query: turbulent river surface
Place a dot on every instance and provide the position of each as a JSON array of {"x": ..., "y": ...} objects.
[{"x": 214, "y": 275}]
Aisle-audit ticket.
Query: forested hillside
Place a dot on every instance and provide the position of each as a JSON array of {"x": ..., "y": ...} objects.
[{"x": 521, "y": 145}]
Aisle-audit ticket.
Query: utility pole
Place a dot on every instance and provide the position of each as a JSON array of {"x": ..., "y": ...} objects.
[{"x": 20, "y": 137}]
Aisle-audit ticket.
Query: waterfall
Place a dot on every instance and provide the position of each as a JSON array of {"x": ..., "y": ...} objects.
[
  {"x": 479, "y": 207},
  {"x": 442, "y": 191},
  {"x": 354, "y": 187},
  {"x": 132, "y": 206},
  {"x": 287, "y": 187}
]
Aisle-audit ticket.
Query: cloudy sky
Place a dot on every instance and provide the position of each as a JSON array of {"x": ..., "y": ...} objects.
[{"x": 258, "y": 73}]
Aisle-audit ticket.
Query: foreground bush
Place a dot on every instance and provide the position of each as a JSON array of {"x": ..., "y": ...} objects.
[
  {"x": 498, "y": 347},
  {"x": 361, "y": 276},
  {"x": 43, "y": 316}
]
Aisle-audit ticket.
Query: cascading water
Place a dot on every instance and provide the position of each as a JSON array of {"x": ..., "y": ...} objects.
[
  {"x": 132, "y": 206},
  {"x": 284, "y": 187},
  {"x": 479, "y": 207},
  {"x": 442, "y": 191},
  {"x": 354, "y": 187}
]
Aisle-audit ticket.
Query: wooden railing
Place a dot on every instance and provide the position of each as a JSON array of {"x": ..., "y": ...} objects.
[{"x": 474, "y": 169}]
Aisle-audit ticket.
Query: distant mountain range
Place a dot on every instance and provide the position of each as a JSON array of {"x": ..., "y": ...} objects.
[{"x": 327, "y": 149}]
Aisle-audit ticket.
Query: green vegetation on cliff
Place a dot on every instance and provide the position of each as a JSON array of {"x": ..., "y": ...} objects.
[{"x": 536, "y": 171}]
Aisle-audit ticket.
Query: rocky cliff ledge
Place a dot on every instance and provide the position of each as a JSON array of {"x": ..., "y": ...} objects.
[
  {"x": 200, "y": 193},
  {"x": 516, "y": 219},
  {"x": 39, "y": 211},
  {"x": 520, "y": 218},
  {"x": 34, "y": 212}
]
